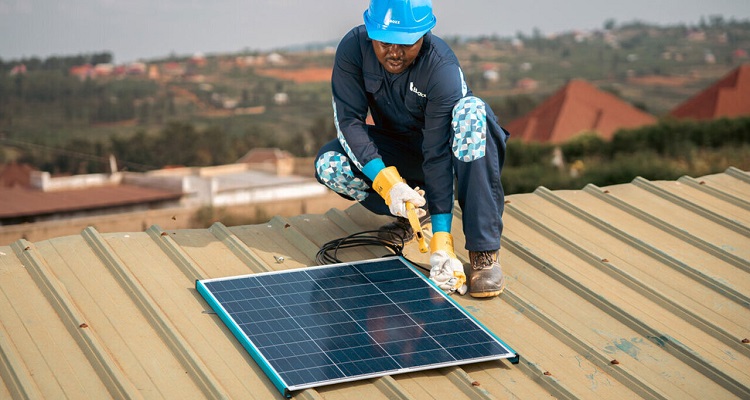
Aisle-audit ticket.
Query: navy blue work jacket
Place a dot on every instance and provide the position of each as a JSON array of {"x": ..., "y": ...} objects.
[{"x": 418, "y": 100}]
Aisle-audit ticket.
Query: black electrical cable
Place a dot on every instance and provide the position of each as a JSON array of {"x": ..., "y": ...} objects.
[{"x": 328, "y": 253}]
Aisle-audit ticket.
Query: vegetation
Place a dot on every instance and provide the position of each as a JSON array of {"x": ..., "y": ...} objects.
[
  {"x": 213, "y": 110},
  {"x": 665, "y": 151}
]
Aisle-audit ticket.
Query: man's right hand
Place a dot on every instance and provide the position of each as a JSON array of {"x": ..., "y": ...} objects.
[
  {"x": 401, "y": 193},
  {"x": 389, "y": 185}
]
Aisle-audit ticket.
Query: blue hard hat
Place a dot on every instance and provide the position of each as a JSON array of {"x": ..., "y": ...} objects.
[{"x": 399, "y": 21}]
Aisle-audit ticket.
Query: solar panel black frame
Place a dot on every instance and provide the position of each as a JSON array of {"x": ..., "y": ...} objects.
[{"x": 336, "y": 323}]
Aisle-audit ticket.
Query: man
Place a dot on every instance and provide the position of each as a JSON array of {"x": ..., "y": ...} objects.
[{"x": 428, "y": 131}]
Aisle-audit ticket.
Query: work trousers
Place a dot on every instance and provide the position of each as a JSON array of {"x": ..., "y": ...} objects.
[{"x": 478, "y": 148}]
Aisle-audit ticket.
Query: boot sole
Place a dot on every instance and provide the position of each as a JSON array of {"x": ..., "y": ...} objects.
[
  {"x": 493, "y": 293},
  {"x": 486, "y": 294}
]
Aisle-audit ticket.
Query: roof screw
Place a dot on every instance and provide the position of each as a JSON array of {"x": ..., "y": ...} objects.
[
  {"x": 475, "y": 383},
  {"x": 279, "y": 259},
  {"x": 83, "y": 325},
  {"x": 614, "y": 362},
  {"x": 547, "y": 373}
]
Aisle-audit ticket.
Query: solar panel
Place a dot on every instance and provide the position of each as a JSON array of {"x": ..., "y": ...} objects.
[{"x": 322, "y": 325}]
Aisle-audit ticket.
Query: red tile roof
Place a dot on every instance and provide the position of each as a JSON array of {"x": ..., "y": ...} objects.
[
  {"x": 19, "y": 202},
  {"x": 576, "y": 108},
  {"x": 728, "y": 97}
]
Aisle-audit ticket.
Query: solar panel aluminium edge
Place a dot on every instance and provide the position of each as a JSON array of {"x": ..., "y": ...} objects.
[
  {"x": 276, "y": 380},
  {"x": 513, "y": 360},
  {"x": 273, "y": 375}
]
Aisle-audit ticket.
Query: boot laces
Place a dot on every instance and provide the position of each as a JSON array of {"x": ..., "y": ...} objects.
[{"x": 482, "y": 259}]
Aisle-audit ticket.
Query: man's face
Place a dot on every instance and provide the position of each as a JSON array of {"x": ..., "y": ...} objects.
[{"x": 396, "y": 58}]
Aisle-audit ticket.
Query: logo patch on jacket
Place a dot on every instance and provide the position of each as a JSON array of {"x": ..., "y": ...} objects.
[{"x": 415, "y": 90}]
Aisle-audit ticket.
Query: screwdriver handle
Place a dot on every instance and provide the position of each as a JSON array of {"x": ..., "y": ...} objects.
[{"x": 411, "y": 212}]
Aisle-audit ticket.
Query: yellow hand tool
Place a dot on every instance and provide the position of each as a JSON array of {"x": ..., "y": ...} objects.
[{"x": 416, "y": 226}]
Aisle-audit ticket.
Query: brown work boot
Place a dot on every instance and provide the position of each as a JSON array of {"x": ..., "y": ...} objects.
[
  {"x": 400, "y": 229},
  {"x": 486, "y": 277}
]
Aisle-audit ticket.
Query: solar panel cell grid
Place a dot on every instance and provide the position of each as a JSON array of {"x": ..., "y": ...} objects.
[{"x": 322, "y": 325}]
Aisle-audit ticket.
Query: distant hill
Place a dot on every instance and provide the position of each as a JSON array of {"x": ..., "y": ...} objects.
[{"x": 85, "y": 104}]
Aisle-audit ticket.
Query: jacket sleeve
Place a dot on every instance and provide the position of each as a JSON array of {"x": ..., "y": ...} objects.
[
  {"x": 350, "y": 101},
  {"x": 446, "y": 87}
]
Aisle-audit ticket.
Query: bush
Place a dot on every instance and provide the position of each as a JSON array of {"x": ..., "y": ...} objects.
[
  {"x": 674, "y": 138},
  {"x": 585, "y": 145},
  {"x": 665, "y": 151},
  {"x": 519, "y": 154},
  {"x": 527, "y": 179},
  {"x": 626, "y": 167}
]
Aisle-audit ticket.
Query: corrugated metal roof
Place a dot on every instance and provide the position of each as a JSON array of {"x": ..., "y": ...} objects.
[{"x": 640, "y": 290}]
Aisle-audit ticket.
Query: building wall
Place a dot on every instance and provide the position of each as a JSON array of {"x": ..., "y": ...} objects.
[
  {"x": 264, "y": 195},
  {"x": 45, "y": 182}
]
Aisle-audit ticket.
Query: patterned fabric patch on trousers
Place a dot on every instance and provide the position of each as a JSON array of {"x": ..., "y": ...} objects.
[
  {"x": 469, "y": 129},
  {"x": 334, "y": 170}
]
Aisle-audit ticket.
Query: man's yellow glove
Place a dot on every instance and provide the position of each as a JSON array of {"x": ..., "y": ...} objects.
[
  {"x": 391, "y": 187},
  {"x": 446, "y": 271}
]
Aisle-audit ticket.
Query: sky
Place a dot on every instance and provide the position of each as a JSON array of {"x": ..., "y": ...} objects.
[{"x": 135, "y": 30}]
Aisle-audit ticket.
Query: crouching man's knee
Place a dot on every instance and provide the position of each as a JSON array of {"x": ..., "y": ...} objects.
[
  {"x": 334, "y": 170},
  {"x": 469, "y": 129}
]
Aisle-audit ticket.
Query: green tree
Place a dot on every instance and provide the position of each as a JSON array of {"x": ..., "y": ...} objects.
[
  {"x": 136, "y": 150},
  {"x": 215, "y": 147},
  {"x": 178, "y": 144}
]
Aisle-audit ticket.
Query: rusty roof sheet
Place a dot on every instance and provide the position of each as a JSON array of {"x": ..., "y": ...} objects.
[
  {"x": 20, "y": 202},
  {"x": 639, "y": 290}
]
